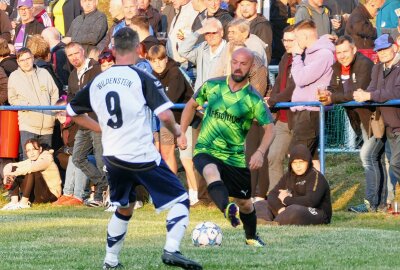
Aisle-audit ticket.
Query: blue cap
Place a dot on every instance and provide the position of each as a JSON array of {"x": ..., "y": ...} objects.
[{"x": 383, "y": 42}]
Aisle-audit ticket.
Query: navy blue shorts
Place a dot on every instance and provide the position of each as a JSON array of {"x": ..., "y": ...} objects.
[{"x": 162, "y": 184}]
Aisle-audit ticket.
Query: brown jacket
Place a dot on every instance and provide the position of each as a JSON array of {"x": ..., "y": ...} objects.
[{"x": 3, "y": 87}]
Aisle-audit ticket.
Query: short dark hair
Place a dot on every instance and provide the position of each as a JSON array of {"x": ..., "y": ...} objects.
[
  {"x": 289, "y": 28},
  {"x": 305, "y": 25},
  {"x": 4, "y": 49},
  {"x": 125, "y": 40},
  {"x": 73, "y": 44},
  {"x": 22, "y": 51},
  {"x": 157, "y": 52},
  {"x": 343, "y": 39},
  {"x": 141, "y": 21},
  {"x": 34, "y": 142}
]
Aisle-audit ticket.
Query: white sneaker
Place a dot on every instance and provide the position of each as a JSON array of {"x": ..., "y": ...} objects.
[
  {"x": 111, "y": 208},
  {"x": 19, "y": 206},
  {"x": 138, "y": 204},
  {"x": 9, "y": 206}
]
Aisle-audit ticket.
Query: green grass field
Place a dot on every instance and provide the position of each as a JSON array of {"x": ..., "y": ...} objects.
[{"x": 46, "y": 237}]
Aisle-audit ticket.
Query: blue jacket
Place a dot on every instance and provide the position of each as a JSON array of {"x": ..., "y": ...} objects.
[{"x": 387, "y": 17}]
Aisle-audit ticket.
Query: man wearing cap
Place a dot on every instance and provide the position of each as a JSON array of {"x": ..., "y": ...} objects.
[
  {"x": 384, "y": 86},
  {"x": 28, "y": 26},
  {"x": 259, "y": 25}
]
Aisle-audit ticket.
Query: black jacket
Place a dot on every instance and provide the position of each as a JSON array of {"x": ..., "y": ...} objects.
[
  {"x": 32, "y": 28},
  {"x": 360, "y": 77},
  {"x": 360, "y": 28},
  {"x": 261, "y": 27},
  {"x": 279, "y": 15},
  {"x": 9, "y": 64},
  {"x": 60, "y": 63}
]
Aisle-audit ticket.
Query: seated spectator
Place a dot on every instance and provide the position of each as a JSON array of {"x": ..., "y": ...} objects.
[
  {"x": 89, "y": 28},
  {"x": 75, "y": 179},
  {"x": 302, "y": 196},
  {"x": 41, "y": 182},
  {"x": 41, "y": 53},
  {"x": 28, "y": 26}
]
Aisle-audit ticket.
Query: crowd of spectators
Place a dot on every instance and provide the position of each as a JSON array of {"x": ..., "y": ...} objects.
[{"x": 331, "y": 51}]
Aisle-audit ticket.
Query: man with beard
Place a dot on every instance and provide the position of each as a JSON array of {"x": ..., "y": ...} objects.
[{"x": 219, "y": 153}]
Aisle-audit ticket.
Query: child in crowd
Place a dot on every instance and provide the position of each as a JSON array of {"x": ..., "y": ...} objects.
[{"x": 302, "y": 196}]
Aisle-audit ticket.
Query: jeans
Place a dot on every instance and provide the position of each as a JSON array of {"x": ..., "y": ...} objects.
[
  {"x": 75, "y": 181},
  {"x": 372, "y": 159},
  {"x": 26, "y": 135},
  {"x": 394, "y": 167},
  {"x": 277, "y": 153},
  {"x": 85, "y": 142},
  {"x": 391, "y": 183}
]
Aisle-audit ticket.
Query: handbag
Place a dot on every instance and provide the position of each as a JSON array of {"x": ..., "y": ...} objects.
[{"x": 376, "y": 125}]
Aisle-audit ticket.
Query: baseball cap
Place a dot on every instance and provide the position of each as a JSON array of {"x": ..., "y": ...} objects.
[
  {"x": 26, "y": 3},
  {"x": 383, "y": 42}
]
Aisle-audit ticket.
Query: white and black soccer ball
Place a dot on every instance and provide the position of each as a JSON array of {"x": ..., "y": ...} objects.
[{"x": 207, "y": 234}]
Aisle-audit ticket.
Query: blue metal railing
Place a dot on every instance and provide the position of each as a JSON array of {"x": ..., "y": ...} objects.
[{"x": 278, "y": 105}]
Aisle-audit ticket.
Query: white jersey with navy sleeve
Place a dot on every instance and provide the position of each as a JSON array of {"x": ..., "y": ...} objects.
[{"x": 121, "y": 97}]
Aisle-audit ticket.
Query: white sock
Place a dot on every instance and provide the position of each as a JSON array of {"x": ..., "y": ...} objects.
[
  {"x": 177, "y": 221},
  {"x": 116, "y": 232},
  {"x": 193, "y": 196}
]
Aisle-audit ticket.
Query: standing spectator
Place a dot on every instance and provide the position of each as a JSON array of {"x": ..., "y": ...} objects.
[
  {"x": 301, "y": 197},
  {"x": 89, "y": 28},
  {"x": 387, "y": 19},
  {"x": 351, "y": 72},
  {"x": 28, "y": 26},
  {"x": 239, "y": 32},
  {"x": 282, "y": 92},
  {"x": 213, "y": 9},
  {"x": 180, "y": 28},
  {"x": 40, "y": 13},
  {"x": 86, "y": 140},
  {"x": 41, "y": 53},
  {"x": 314, "y": 71},
  {"x": 151, "y": 13},
  {"x": 5, "y": 26},
  {"x": 57, "y": 51},
  {"x": 259, "y": 25},
  {"x": 206, "y": 55},
  {"x": 385, "y": 86},
  {"x": 343, "y": 8},
  {"x": 8, "y": 61},
  {"x": 141, "y": 25},
  {"x": 168, "y": 13},
  {"x": 31, "y": 85},
  {"x": 359, "y": 25},
  {"x": 41, "y": 182},
  {"x": 64, "y": 12},
  {"x": 314, "y": 10},
  {"x": 8, "y": 6},
  {"x": 117, "y": 14}
]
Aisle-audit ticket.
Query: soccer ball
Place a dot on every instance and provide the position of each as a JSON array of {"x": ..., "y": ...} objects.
[{"x": 207, "y": 234}]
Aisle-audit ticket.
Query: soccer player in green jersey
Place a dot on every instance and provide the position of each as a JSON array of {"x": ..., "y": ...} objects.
[{"x": 232, "y": 105}]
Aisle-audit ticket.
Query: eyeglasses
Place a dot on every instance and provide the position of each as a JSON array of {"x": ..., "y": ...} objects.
[
  {"x": 24, "y": 9},
  {"x": 287, "y": 40},
  {"x": 25, "y": 60}
]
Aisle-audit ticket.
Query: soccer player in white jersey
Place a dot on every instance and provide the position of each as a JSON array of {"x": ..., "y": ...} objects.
[{"x": 120, "y": 97}]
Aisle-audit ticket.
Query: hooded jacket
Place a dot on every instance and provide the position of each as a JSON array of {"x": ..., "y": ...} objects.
[
  {"x": 320, "y": 18},
  {"x": 177, "y": 88},
  {"x": 360, "y": 77},
  {"x": 360, "y": 28},
  {"x": 45, "y": 165},
  {"x": 34, "y": 88},
  {"x": 261, "y": 27},
  {"x": 310, "y": 189},
  {"x": 315, "y": 70}
]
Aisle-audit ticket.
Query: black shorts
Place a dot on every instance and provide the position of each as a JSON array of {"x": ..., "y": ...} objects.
[{"x": 237, "y": 180}]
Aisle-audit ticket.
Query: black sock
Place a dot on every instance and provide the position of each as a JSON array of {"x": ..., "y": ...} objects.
[
  {"x": 249, "y": 224},
  {"x": 219, "y": 194}
]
